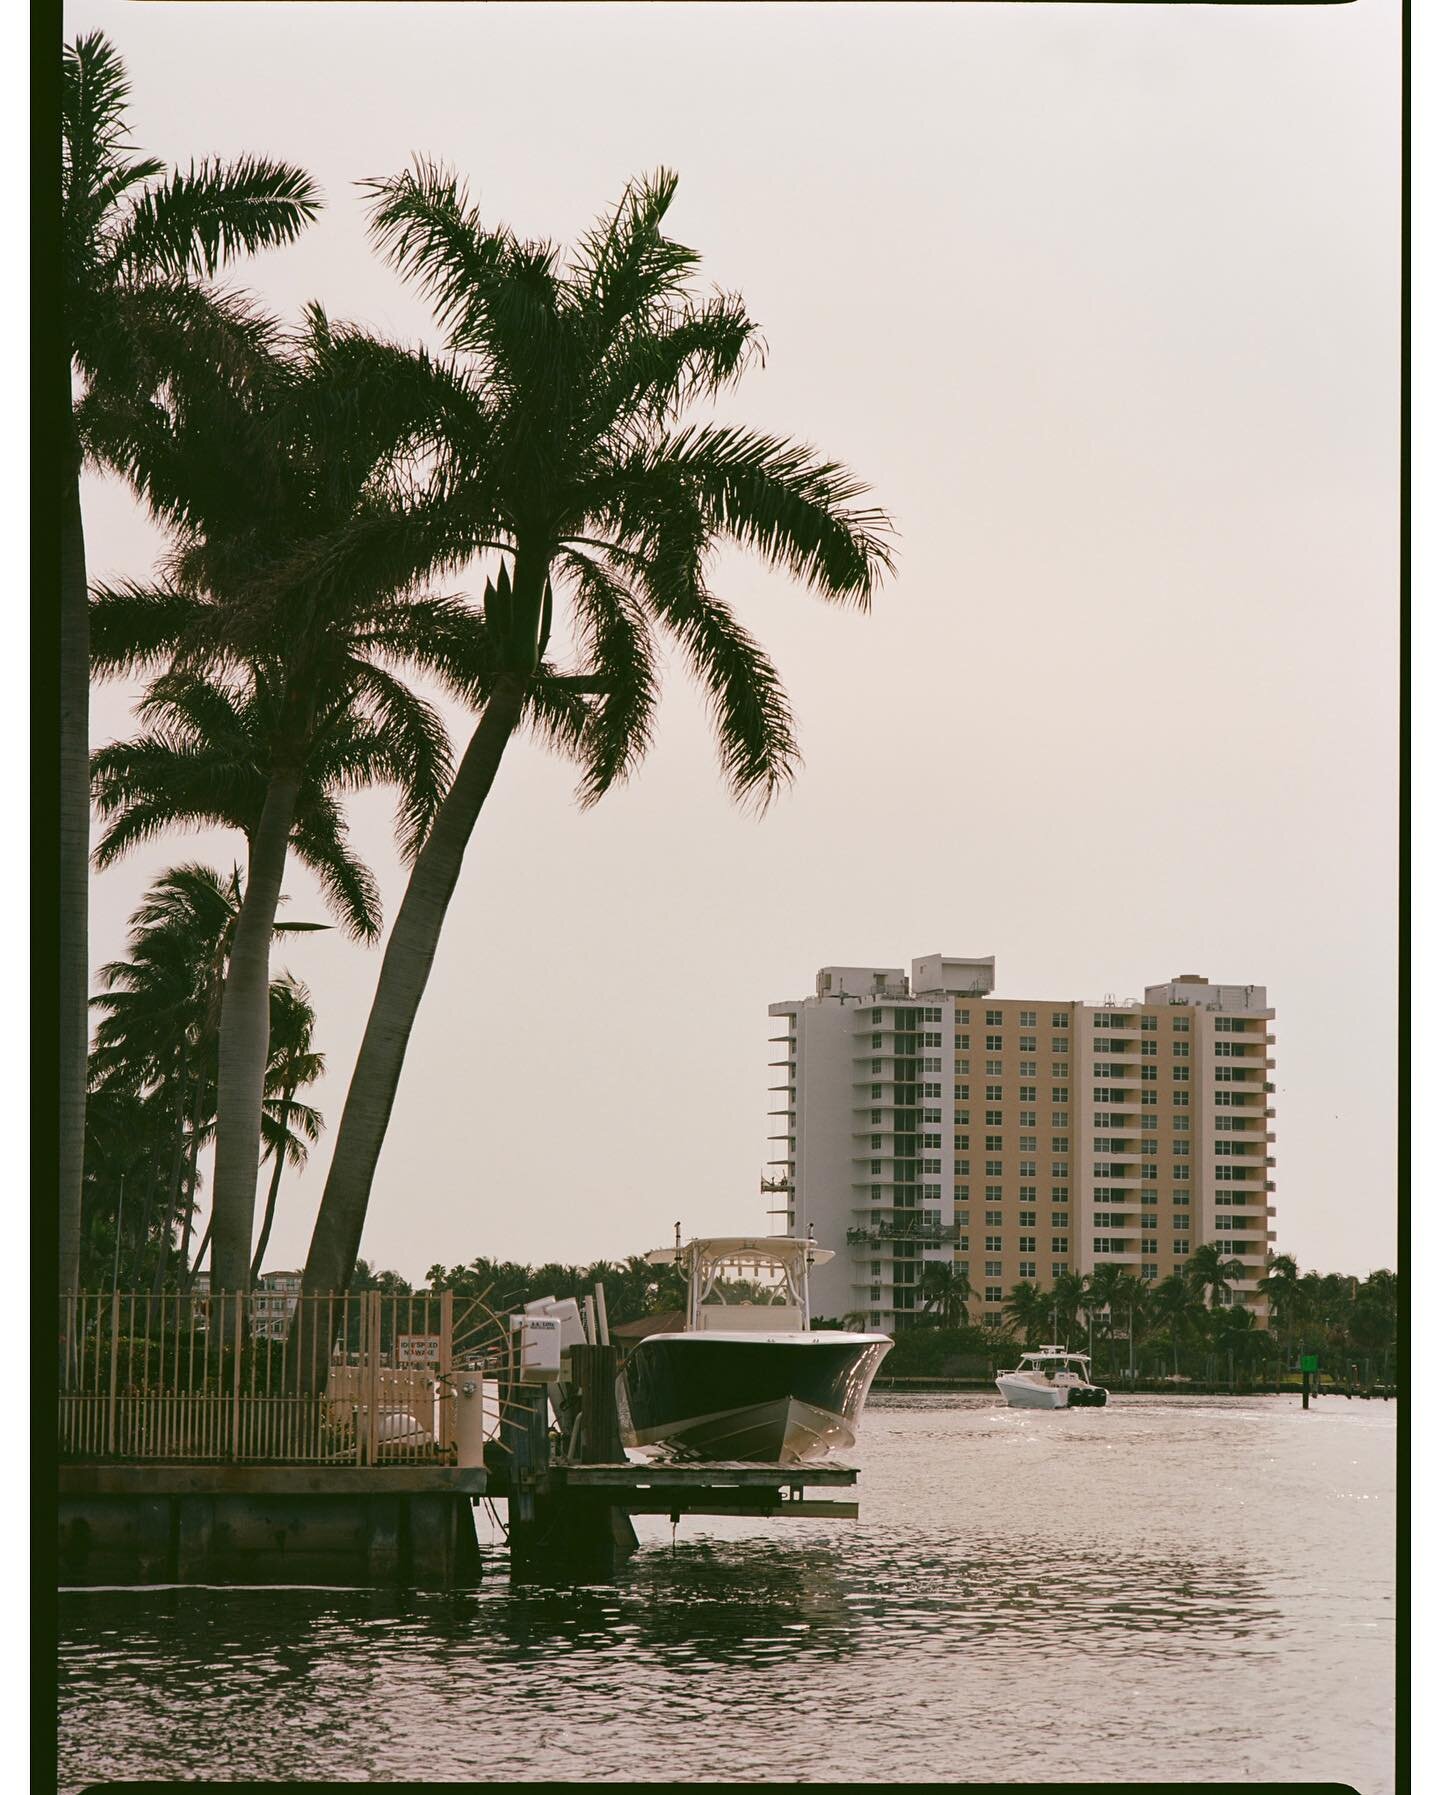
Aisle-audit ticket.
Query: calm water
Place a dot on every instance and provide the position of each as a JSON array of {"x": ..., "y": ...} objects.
[{"x": 1175, "y": 1590}]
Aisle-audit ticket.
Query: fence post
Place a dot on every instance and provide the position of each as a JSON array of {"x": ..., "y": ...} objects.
[
  {"x": 239, "y": 1333},
  {"x": 114, "y": 1367},
  {"x": 444, "y": 1388},
  {"x": 371, "y": 1384}
]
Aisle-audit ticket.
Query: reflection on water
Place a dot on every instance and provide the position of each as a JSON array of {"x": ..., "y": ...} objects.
[{"x": 1196, "y": 1591}]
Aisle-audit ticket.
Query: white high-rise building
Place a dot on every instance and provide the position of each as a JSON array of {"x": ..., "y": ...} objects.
[{"x": 925, "y": 1120}]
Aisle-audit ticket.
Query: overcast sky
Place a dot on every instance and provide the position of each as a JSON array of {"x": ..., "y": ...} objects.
[{"x": 1103, "y": 302}]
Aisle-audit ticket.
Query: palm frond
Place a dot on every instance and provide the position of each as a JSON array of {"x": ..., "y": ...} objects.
[
  {"x": 197, "y": 220},
  {"x": 616, "y": 643}
]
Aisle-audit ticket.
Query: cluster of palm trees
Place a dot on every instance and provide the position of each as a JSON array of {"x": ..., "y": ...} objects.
[
  {"x": 153, "y": 1080},
  {"x": 1186, "y": 1320},
  {"x": 314, "y": 482}
]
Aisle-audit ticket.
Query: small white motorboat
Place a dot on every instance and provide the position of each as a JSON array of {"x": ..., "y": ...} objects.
[{"x": 1050, "y": 1377}]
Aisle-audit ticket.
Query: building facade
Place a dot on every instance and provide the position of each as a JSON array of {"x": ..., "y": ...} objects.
[{"x": 922, "y": 1119}]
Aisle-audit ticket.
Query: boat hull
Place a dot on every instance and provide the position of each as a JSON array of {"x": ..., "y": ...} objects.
[
  {"x": 1022, "y": 1393},
  {"x": 780, "y": 1400}
]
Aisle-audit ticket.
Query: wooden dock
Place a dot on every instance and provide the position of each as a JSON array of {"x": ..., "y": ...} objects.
[
  {"x": 569, "y": 1509},
  {"x": 191, "y": 1455}
]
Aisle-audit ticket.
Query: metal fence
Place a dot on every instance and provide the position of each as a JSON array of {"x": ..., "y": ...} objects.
[{"x": 359, "y": 1379}]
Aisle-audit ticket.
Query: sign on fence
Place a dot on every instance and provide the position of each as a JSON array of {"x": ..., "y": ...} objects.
[{"x": 417, "y": 1349}]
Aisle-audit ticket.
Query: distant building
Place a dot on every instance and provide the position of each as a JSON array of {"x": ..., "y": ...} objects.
[
  {"x": 926, "y": 1121},
  {"x": 274, "y": 1301}
]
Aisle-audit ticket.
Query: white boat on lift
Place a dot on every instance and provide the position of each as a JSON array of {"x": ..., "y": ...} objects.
[{"x": 1051, "y": 1377}]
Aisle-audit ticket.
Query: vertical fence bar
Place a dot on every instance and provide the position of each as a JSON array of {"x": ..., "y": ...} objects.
[
  {"x": 239, "y": 1325},
  {"x": 372, "y": 1381},
  {"x": 444, "y": 1386},
  {"x": 114, "y": 1367}
]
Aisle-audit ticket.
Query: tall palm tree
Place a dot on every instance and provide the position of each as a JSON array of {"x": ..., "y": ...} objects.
[
  {"x": 1210, "y": 1269},
  {"x": 1175, "y": 1302},
  {"x": 274, "y": 698},
  {"x": 159, "y": 1025},
  {"x": 1102, "y": 1293},
  {"x": 1028, "y": 1308},
  {"x": 560, "y": 447},
  {"x": 294, "y": 1064},
  {"x": 1067, "y": 1299},
  {"x": 138, "y": 327},
  {"x": 947, "y": 1293}
]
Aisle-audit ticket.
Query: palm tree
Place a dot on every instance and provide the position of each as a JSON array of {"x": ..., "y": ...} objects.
[
  {"x": 159, "y": 1028},
  {"x": 137, "y": 327},
  {"x": 1129, "y": 1296},
  {"x": 1028, "y": 1308},
  {"x": 273, "y": 700},
  {"x": 1067, "y": 1298},
  {"x": 1103, "y": 1290},
  {"x": 560, "y": 447},
  {"x": 947, "y": 1293},
  {"x": 1210, "y": 1269},
  {"x": 1175, "y": 1301},
  {"x": 294, "y": 1063}
]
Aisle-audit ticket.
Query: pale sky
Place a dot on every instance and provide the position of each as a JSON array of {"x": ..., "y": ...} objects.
[{"x": 1103, "y": 302}]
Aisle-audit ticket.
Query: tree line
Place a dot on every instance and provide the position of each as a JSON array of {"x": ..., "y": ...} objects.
[
  {"x": 314, "y": 482},
  {"x": 1183, "y": 1325}
]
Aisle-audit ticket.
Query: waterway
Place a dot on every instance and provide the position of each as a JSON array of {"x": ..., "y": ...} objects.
[{"x": 1173, "y": 1589}]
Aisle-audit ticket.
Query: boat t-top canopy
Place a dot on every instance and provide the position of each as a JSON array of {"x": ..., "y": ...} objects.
[
  {"x": 744, "y": 1249},
  {"x": 779, "y": 1264},
  {"x": 1053, "y": 1352}
]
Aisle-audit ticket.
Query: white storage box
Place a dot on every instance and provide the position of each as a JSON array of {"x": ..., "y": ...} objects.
[{"x": 539, "y": 1347}]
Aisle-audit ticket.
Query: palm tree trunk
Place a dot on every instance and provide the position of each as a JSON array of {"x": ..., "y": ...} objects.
[
  {"x": 173, "y": 1183},
  {"x": 245, "y": 1039},
  {"x": 200, "y": 1253},
  {"x": 409, "y": 955},
  {"x": 191, "y": 1170},
  {"x": 286, "y": 1100},
  {"x": 74, "y": 1018}
]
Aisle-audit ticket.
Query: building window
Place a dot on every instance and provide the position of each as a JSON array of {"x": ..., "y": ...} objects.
[
  {"x": 1027, "y": 1268},
  {"x": 1149, "y": 1271},
  {"x": 1027, "y": 1068},
  {"x": 994, "y": 1168},
  {"x": 994, "y": 1018},
  {"x": 994, "y": 1269},
  {"x": 994, "y": 1243},
  {"x": 1027, "y": 1093},
  {"x": 932, "y": 1039},
  {"x": 1027, "y": 1018},
  {"x": 1060, "y": 1193},
  {"x": 1149, "y": 1023},
  {"x": 1182, "y": 1249},
  {"x": 1059, "y": 1269},
  {"x": 1181, "y": 1099},
  {"x": 994, "y": 1068},
  {"x": 1180, "y": 1198},
  {"x": 1180, "y": 1074},
  {"x": 1027, "y": 1044},
  {"x": 1027, "y": 1243},
  {"x": 994, "y": 1043},
  {"x": 1180, "y": 1025},
  {"x": 1027, "y": 1193},
  {"x": 1060, "y": 1243},
  {"x": 931, "y": 1013},
  {"x": 1059, "y": 1019},
  {"x": 1180, "y": 1049},
  {"x": 1027, "y": 1144},
  {"x": 994, "y": 1193},
  {"x": 963, "y": 1041},
  {"x": 931, "y": 1166},
  {"x": 962, "y": 1015},
  {"x": 994, "y": 1218}
]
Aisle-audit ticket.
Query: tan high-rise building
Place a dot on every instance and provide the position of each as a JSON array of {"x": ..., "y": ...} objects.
[{"x": 926, "y": 1120}]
